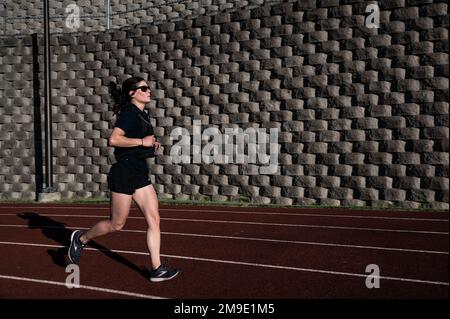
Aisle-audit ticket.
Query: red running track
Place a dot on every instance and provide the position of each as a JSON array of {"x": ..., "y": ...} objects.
[{"x": 229, "y": 253}]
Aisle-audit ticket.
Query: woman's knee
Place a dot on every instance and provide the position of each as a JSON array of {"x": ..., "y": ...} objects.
[
  {"x": 153, "y": 219},
  {"x": 116, "y": 226}
]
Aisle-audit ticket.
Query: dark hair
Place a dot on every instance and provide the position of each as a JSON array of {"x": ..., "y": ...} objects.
[{"x": 121, "y": 96}]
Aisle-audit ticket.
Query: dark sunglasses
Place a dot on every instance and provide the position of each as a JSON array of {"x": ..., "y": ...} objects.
[{"x": 143, "y": 88}]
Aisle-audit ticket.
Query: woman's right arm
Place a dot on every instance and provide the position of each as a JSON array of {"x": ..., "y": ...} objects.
[{"x": 118, "y": 139}]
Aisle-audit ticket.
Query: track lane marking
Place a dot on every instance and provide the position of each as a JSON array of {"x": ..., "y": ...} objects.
[
  {"x": 329, "y": 272},
  {"x": 253, "y": 239},
  {"x": 100, "y": 289},
  {"x": 251, "y": 212},
  {"x": 257, "y": 223}
]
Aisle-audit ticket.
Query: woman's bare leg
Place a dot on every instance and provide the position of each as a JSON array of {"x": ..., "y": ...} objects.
[
  {"x": 147, "y": 201},
  {"x": 120, "y": 208}
]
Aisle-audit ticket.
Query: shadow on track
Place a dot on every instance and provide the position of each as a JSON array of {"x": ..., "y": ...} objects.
[{"x": 59, "y": 233}]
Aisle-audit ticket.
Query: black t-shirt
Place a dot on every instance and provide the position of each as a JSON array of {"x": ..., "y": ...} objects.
[{"x": 136, "y": 124}]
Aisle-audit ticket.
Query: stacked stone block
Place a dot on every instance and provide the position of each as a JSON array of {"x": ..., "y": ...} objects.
[
  {"x": 362, "y": 113},
  {"x": 25, "y": 17}
]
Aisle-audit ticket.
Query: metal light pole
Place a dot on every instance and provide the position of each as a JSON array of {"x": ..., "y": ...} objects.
[
  {"x": 107, "y": 13},
  {"x": 48, "y": 102},
  {"x": 46, "y": 192}
]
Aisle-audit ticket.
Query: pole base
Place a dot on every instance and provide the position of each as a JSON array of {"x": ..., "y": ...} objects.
[{"x": 49, "y": 195}]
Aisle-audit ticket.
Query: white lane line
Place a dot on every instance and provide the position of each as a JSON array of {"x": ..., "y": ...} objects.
[
  {"x": 329, "y": 272},
  {"x": 252, "y": 212},
  {"x": 304, "y": 214},
  {"x": 442, "y": 283},
  {"x": 255, "y": 239},
  {"x": 312, "y": 243},
  {"x": 100, "y": 289},
  {"x": 259, "y": 223},
  {"x": 308, "y": 226}
]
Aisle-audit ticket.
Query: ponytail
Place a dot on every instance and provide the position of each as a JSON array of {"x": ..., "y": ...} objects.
[
  {"x": 118, "y": 98},
  {"x": 121, "y": 96}
]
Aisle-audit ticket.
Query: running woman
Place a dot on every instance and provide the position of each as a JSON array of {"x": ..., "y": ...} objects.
[{"x": 133, "y": 141}]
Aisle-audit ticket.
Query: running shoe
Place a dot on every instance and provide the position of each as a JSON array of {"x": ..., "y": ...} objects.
[
  {"x": 163, "y": 273},
  {"x": 76, "y": 247}
]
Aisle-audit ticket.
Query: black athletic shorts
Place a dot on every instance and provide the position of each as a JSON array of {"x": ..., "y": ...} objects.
[{"x": 122, "y": 179}]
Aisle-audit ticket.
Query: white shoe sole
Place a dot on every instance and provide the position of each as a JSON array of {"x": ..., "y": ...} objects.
[
  {"x": 71, "y": 243},
  {"x": 164, "y": 279}
]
